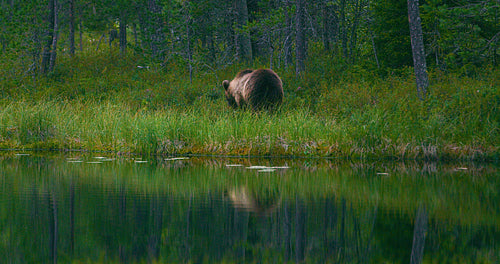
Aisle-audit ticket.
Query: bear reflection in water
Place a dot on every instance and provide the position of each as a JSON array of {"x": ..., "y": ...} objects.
[
  {"x": 258, "y": 89},
  {"x": 245, "y": 200}
]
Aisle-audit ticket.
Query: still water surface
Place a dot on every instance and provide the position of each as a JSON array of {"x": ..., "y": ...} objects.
[{"x": 79, "y": 208}]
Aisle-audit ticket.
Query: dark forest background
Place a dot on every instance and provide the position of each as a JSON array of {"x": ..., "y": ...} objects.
[{"x": 206, "y": 35}]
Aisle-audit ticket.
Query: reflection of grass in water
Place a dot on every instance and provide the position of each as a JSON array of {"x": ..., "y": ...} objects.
[
  {"x": 462, "y": 196},
  {"x": 178, "y": 188}
]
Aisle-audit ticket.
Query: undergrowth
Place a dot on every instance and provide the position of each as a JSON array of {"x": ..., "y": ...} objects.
[{"x": 97, "y": 102}]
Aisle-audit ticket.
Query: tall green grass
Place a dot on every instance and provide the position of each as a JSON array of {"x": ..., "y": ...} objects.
[
  {"x": 97, "y": 102},
  {"x": 107, "y": 126}
]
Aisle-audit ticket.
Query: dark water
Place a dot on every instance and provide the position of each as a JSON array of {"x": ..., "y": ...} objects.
[{"x": 85, "y": 209}]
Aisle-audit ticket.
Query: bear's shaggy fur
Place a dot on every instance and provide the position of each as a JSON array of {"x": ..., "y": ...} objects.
[{"x": 259, "y": 89}]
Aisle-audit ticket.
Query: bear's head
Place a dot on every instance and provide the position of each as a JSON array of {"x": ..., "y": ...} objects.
[{"x": 233, "y": 89}]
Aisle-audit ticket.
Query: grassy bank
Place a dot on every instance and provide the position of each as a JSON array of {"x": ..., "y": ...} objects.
[
  {"x": 116, "y": 127},
  {"x": 109, "y": 104}
]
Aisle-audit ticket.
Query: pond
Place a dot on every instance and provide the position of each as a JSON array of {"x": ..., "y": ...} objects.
[{"x": 82, "y": 208}]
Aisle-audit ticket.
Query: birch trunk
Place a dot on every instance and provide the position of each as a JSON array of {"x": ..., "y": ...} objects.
[
  {"x": 300, "y": 38},
  {"x": 53, "y": 53},
  {"x": 417, "y": 46}
]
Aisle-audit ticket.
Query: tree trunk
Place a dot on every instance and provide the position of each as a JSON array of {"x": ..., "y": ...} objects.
[
  {"x": 99, "y": 42},
  {"x": 53, "y": 53},
  {"x": 354, "y": 29},
  {"x": 152, "y": 25},
  {"x": 134, "y": 30},
  {"x": 243, "y": 42},
  {"x": 342, "y": 234},
  {"x": 343, "y": 28},
  {"x": 72, "y": 218},
  {"x": 81, "y": 34},
  {"x": 71, "y": 27},
  {"x": 326, "y": 26},
  {"x": 53, "y": 226},
  {"x": 122, "y": 220},
  {"x": 187, "y": 246},
  {"x": 47, "y": 37},
  {"x": 417, "y": 46},
  {"x": 123, "y": 31},
  {"x": 156, "y": 223},
  {"x": 189, "y": 51},
  {"x": 374, "y": 49},
  {"x": 288, "y": 37},
  {"x": 300, "y": 231},
  {"x": 287, "y": 232},
  {"x": 330, "y": 24},
  {"x": 420, "y": 229},
  {"x": 300, "y": 38}
]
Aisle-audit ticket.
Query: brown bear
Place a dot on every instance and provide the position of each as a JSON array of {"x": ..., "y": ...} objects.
[{"x": 258, "y": 89}]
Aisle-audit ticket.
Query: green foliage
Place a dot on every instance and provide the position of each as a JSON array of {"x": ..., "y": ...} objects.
[
  {"x": 461, "y": 35},
  {"x": 392, "y": 33},
  {"x": 173, "y": 103},
  {"x": 108, "y": 103}
]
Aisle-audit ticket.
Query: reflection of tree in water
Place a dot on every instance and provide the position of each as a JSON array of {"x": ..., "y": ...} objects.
[
  {"x": 129, "y": 227},
  {"x": 419, "y": 232},
  {"x": 347, "y": 232},
  {"x": 58, "y": 220},
  {"x": 333, "y": 231}
]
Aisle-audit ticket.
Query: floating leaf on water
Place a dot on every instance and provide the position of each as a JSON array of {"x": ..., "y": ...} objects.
[
  {"x": 258, "y": 167},
  {"x": 234, "y": 165},
  {"x": 266, "y": 170},
  {"x": 177, "y": 158},
  {"x": 104, "y": 158}
]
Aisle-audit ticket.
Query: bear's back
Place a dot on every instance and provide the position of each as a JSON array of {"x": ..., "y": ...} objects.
[{"x": 263, "y": 89}]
